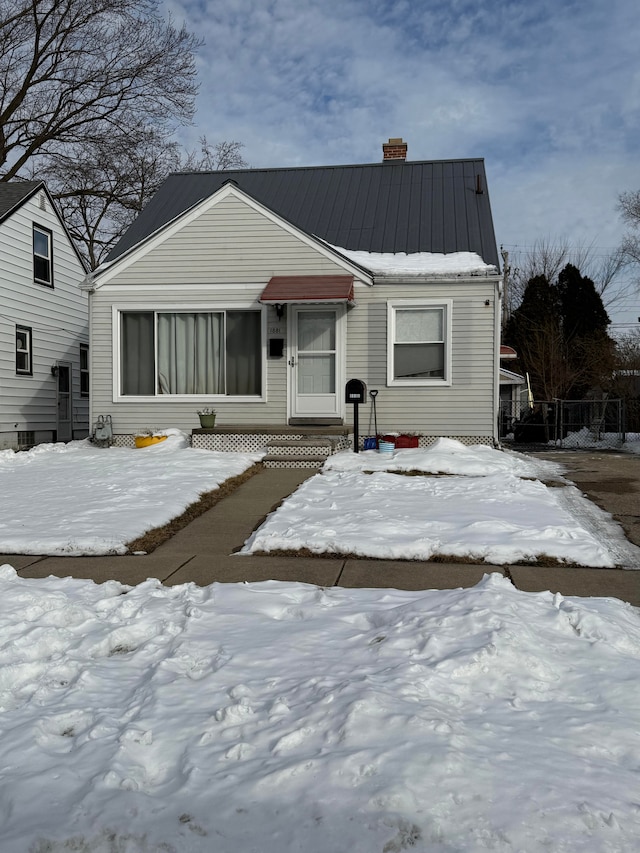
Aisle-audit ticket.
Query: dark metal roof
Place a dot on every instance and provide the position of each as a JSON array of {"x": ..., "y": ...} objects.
[
  {"x": 422, "y": 206},
  {"x": 15, "y": 193}
]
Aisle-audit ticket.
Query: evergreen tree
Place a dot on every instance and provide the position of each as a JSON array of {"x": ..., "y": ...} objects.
[
  {"x": 590, "y": 350},
  {"x": 560, "y": 334},
  {"x": 581, "y": 307}
]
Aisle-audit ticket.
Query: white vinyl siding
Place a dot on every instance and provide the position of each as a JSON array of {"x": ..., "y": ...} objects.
[
  {"x": 224, "y": 259},
  {"x": 58, "y": 318},
  {"x": 463, "y": 408}
]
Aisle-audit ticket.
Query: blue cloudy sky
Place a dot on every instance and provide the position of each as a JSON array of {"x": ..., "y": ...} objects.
[{"x": 547, "y": 91}]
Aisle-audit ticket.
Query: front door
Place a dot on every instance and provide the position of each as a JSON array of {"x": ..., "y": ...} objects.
[
  {"x": 315, "y": 359},
  {"x": 65, "y": 426}
]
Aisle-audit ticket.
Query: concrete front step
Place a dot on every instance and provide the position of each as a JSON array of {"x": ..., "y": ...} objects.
[
  {"x": 301, "y": 447},
  {"x": 309, "y": 452},
  {"x": 293, "y": 461}
]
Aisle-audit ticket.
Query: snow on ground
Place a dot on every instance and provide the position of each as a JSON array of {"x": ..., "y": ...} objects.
[
  {"x": 502, "y": 520},
  {"x": 488, "y": 512},
  {"x": 75, "y": 498},
  {"x": 276, "y": 717},
  {"x": 584, "y": 439},
  {"x": 632, "y": 444},
  {"x": 279, "y": 717},
  {"x": 447, "y": 456}
]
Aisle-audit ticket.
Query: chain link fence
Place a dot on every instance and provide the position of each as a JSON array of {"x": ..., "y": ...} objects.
[{"x": 594, "y": 424}]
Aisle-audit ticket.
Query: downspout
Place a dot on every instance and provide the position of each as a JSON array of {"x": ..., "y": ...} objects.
[
  {"x": 88, "y": 285},
  {"x": 497, "y": 334},
  {"x": 90, "y": 318}
]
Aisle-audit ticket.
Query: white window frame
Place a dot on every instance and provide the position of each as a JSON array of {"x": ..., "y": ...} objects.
[
  {"x": 84, "y": 371},
  {"x": 28, "y": 350},
  {"x": 118, "y": 397},
  {"x": 46, "y": 232},
  {"x": 446, "y": 307}
]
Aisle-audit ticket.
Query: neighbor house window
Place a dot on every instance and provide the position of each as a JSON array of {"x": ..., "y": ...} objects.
[
  {"x": 24, "y": 363},
  {"x": 419, "y": 348},
  {"x": 84, "y": 370},
  {"x": 205, "y": 352},
  {"x": 42, "y": 256}
]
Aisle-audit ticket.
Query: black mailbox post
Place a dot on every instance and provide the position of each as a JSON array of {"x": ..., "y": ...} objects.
[{"x": 355, "y": 393}]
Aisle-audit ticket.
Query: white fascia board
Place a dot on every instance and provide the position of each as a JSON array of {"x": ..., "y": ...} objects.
[
  {"x": 105, "y": 273},
  {"x": 426, "y": 278},
  {"x": 511, "y": 378}
]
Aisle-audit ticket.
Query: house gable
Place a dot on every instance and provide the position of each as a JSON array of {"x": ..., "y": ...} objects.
[
  {"x": 437, "y": 206},
  {"x": 14, "y": 195},
  {"x": 224, "y": 239},
  {"x": 44, "y": 323}
]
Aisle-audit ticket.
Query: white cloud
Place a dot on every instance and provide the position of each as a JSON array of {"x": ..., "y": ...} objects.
[{"x": 547, "y": 93}]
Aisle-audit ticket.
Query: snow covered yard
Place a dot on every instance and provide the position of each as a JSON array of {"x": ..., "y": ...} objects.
[
  {"x": 73, "y": 499},
  {"x": 279, "y": 717},
  {"x": 276, "y": 717},
  {"x": 493, "y": 508},
  {"x": 489, "y": 505}
]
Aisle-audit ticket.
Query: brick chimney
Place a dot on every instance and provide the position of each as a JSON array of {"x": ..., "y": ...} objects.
[{"x": 394, "y": 149}]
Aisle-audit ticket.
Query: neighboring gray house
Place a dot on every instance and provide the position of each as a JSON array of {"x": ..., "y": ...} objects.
[
  {"x": 44, "y": 336},
  {"x": 261, "y": 292}
]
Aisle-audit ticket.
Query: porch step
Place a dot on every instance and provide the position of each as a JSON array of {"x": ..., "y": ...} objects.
[{"x": 299, "y": 453}]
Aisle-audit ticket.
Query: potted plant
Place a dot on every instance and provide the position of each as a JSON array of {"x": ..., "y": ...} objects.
[
  {"x": 148, "y": 436},
  {"x": 207, "y": 417}
]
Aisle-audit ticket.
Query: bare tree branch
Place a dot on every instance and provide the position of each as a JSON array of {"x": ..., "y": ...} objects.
[
  {"x": 548, "y": 257},
  {"x": 221, "y": 156},
  {"x": 72, "y": 70}
]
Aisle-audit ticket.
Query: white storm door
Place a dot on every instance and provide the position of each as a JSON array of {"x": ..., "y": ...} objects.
[{"x": 315, "y": 362}]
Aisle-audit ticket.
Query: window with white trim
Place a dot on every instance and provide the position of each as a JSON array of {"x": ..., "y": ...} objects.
[
  {"x": 24, "y": 362},
  {"x": 419, "y": 351},
  {"x": 84, "y": 370},
  {"x": 42, "y": 256},
  {"x": 189, "y": 353}
]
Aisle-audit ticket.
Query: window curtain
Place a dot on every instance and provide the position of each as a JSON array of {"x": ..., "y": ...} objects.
[
  {"x": 244, "y": 353},
  {"x": 191, "y": 353},
  {"x": 137, "y": 370}
]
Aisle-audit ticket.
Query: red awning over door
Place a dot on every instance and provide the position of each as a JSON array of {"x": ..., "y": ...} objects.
[{"x": 308, "y": 288}]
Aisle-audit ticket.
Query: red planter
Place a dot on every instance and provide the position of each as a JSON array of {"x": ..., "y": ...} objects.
[{"x": 403, "y": 441}]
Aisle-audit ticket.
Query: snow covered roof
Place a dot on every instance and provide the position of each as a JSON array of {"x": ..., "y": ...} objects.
[{"x": 420, "y": 263}]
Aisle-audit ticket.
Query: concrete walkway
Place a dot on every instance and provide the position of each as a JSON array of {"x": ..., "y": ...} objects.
[{"x": 203, "y": 552}]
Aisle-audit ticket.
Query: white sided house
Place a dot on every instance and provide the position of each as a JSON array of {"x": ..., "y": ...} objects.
[
  {"x": 262, "y": 292},
  {"x": 44, "y": 334}
]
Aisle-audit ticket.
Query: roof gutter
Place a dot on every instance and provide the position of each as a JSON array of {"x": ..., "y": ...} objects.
[{"x": 420, "y": 278}]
